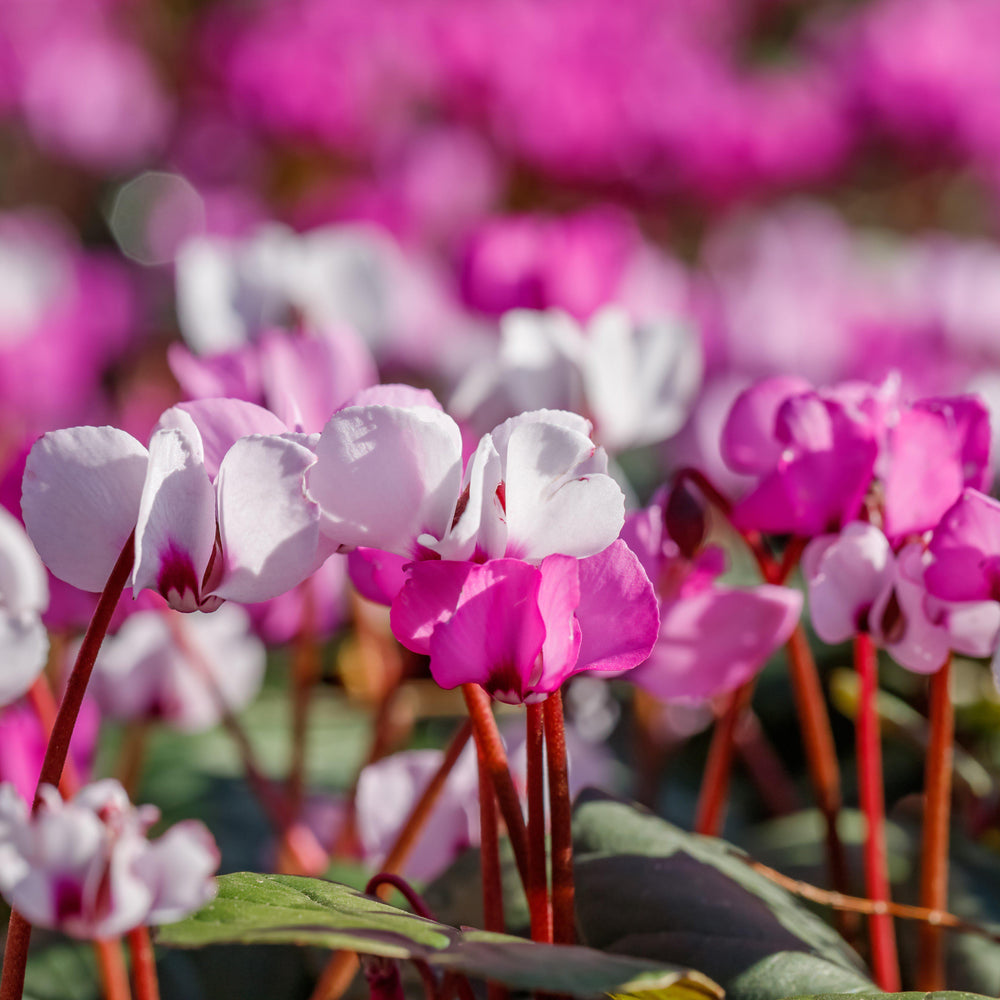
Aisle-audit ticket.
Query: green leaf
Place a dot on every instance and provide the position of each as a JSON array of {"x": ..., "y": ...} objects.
[
  {"x": 273, "y": 909},
  {"x": 939, "y": 995},
  {"x": 647, "y": 888},
  {"x": 65, "y": 970}
]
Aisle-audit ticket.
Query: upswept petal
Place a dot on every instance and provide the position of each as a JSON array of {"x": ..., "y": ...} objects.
[
  {"x": 395, "y": 394},
  {"x": 495, "y": 635},
  {"x": 845, "y": 574},
  {"x": 966, "y": 550},
  {"x": 178, "y": 869},
  {"x": 386, "y": 475},
  {"x": 175, "y": 534},
  {"x": 617, "y": 611},
  {"x": 428, "y": 597},
  {"x": 749, "y": 443},
  {"x": 269, "y": 529},
  {"x": 558, "y": 597},
  {"x": 24, "y": 648},
  {"x": 80, "y": 502},
  {"x": 218, "y": 424},
  {"x": 377, "y": 575},
  {"x": 23, "y": 583},
  {"x": 558, "y": 498},
  {"x": 714, "y": 641}
]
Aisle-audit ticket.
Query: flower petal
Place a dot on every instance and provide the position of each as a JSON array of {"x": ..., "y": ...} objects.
[
  {"x": 386, "y": 475},
  {"x": 82, "y": 489},
  {"x": 966, "y": 550},
  {"x": 175, "y": 534},
  {"x": 269, "y": 529},
  {"x": 24, "y": 585},
  {"x": 617, "y": 612},
  {"x": 24, "y": 648},
  {"x": 749, "y": 443}
]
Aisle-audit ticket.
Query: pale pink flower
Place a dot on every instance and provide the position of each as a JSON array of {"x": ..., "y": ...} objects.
[{"x": 85, "y": 866}]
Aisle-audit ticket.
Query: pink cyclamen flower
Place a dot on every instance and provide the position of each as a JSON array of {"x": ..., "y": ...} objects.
[
  {"x": 183, "y": 671},
  {"x": 712, "y": 638},
  {"x": 519, "y": 551},
  {"x": 857, "y": 583},
  {"x": 216, "y": 503},
  {"x": 24, "y": 595},
  {"x": 86, "y": 867}
]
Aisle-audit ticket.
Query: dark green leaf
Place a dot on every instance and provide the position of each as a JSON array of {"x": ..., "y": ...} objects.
[
  {"x": 646, "y": 888},
  {"x": 270, "y": 909}
]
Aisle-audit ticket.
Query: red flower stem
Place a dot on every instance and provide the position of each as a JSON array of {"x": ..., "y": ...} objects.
[
  {"x": 340, "y": 970},
  {"x": 707, "y": 488},
  {"x": 489, "y": 744},
  {"x": 539, "y": 904},
  {"x": 19, "y": 930},
  {"x": 937, "y": 816},
  {"x": 493, "y": 917},
  {"x": 112, "y": 968},
  {"x": 821, "y": 754},
  {"x": 715, "y": 781},
  {"x": 560, "y": 810},
  {"x": 147, "y": 986},
  {"x": 403, "y": 887},
  {"x": 885, "y": 964},
  {"x": 43, "y": 703},
  {"x": 766, "y": 769}
]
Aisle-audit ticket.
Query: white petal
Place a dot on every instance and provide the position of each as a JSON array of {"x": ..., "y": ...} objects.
[
  {"x": 384, "y": 476},
  {"x": 175, "y": 535},
  {"x": 24, "y": 647},
  {"x": 557, "y": 500},
  {"x": 23, "y": 583},
  {"x": 80, "y": 502},
  {"x": 269, "y": 528}
]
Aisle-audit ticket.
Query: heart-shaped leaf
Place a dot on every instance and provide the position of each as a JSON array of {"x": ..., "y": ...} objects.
[
  {"x": 644, "y": 887},
  {"x": 273, "y": 909}
]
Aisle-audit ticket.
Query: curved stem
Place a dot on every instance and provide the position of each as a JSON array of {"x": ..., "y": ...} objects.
[
  {"x": 57, "y": 750},
  {"x": 403, "y": 887},
  {"x": 937, "y": 816},
  {"x": 147, "y": 986},
  {"x": 489, "y": 854},
  {"x": 885, "y": 963},
  {"x": 560, "y": 809},
  {"x": 539, "y": 904},
  {"x": 44, "y": 705}
]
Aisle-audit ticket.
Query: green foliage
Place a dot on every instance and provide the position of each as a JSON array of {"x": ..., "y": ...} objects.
[{"x": 276, "y": 909}]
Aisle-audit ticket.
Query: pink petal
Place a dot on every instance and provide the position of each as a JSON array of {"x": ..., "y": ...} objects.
[
  {"x": 377, "y": 576},
  {"x": 714, "y": 641},
  {"x": 845, "y": 575},
  {"x": 496, "y": 633},
  {"x": 558, "y": 598},
  {"x": 384, "y": 476},
  {"x": 617, "y": 612},
  {"x": 220, "y": 423},
  {"x": 429, "y": 597},
  {"x": 966, "y": 550},
  {"x": 749, "y": 443},
  {"x": 175, "y": 534},
  {"x": 82, "y": 489},
  {"x": 269, "y": 529}
]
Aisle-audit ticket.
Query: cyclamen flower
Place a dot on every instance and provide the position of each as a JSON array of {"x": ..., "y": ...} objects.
[
  {"x": 712, "y": 638},
  {"x": 818, "y": 453},
  {"x": 216, "y": 504},
  {"x": 516, "y": 580},
  {"x": 24, "y": 595},
  {"x": 857, "y": 583},
  {"x": 185, "y": 672},
  {"x": 85, "y": 866}
]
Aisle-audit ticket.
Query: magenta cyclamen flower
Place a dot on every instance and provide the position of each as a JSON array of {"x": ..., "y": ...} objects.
[
  {"x": 85, "y": 866},
  {"x": 857, "y": 583},
  {"x": 516, "y": 579},
  {"x": 216, "y": 503},
  {"x": 819, "y": 452},
  {"x": 712, "y": 638}
]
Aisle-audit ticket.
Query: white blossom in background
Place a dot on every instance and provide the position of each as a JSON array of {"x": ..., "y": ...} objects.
[
  {"x": 85, "y": 866},
  {"x": 183, "y": 670},
  {"x": 24, "y": 594},
  {"x": 636, "y": 380}
]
